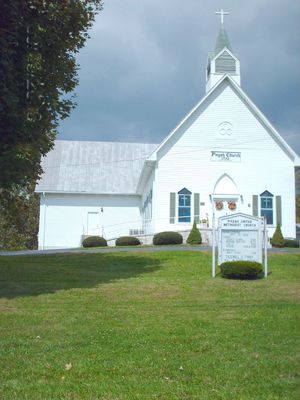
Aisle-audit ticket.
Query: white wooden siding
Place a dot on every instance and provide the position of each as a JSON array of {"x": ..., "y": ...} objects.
[
  {"x": 64, "y": 218},
  {"x": 185, "y": 160}
]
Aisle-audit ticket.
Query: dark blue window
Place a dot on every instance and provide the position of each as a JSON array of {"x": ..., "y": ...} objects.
[
  {"x": 184, "y": 205},
  {"x": 266, "y": 206}
]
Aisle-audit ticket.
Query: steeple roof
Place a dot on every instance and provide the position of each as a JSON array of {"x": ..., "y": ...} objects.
[
  {"x": 222, "y": 60},
  {"x": 222, "y": 40}
]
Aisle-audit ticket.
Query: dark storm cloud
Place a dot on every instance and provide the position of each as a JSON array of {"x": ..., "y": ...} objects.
[{"x": 144, "y": 67}]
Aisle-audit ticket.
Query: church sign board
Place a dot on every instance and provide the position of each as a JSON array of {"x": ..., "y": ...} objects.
[{"x": 240, "y": 237}]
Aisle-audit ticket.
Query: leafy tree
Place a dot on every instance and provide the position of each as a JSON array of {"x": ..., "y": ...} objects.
[
  {"x": 19, "y": 219},
  {"x": 38, "y": 43},
  {"x": 298, "y": 209},
  {"x": 297, "y": 185},
  {"x": 194, "y": 236}
]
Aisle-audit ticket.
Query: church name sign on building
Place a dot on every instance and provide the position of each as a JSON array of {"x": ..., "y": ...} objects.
[
  {"x": 230, "y": 156},
  {"x": 241, "y": 237}
]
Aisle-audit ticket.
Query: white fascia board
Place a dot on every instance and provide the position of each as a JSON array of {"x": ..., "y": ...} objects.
[
  {"x": 153, "y": 156},
  {"x": 297, "y": 161},
  {"x": 276, "y": 136},
  {"x": 145, "y": 173},
  {"x": 288, "y": 150},
  {"x": 44, "y": 191}
]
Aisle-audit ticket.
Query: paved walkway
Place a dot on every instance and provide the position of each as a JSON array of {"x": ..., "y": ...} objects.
[{"x": 132, "y": 249}]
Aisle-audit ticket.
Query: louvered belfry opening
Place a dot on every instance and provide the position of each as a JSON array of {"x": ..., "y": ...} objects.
[{"x": 225, "y": 64}]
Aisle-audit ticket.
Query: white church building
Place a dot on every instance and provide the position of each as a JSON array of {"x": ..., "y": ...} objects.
[{"x": 223, "y": 157}]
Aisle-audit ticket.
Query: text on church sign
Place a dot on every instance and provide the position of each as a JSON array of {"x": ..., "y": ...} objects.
[
  {"x": 240, "y": 238},
  {"x": 239, "y": 223}
]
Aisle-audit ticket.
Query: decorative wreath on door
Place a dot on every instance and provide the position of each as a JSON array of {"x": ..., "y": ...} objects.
[
  {"x": 232, "y": 205},
  {"x": 219, "y": 205}
]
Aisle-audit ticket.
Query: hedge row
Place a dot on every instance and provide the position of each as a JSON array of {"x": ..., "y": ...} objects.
[
  {"x": 278, "y": 240},
  {"x": 162, "y": 238},
  {"x": 165, "y": 238},
  {"x": 291, "y": 243},
  {"x": 98, "y": 241}
]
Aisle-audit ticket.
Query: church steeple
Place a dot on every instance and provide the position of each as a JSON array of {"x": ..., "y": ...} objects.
[
  {"x": 222, "y": 40},
  {"x": 222, "y": 60}
]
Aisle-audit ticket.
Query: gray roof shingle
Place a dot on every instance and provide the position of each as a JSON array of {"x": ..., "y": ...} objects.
[{"x": 93, "y": 167}]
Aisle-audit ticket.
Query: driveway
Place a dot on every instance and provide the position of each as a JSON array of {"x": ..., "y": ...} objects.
[{"x": 122, "y": 249}]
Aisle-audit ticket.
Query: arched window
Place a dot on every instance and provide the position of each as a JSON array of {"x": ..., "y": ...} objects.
[
  {"x": 184, "y": 205},
  {"x": 267, "y": 206},
  {"x": 225, "y": 185}
]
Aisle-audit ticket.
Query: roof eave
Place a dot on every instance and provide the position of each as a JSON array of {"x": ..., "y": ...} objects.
[
  {"x": 276, "y": 136},
  {"x": 153, "y": 156},
  {"x": 41, "y": 191},
  {"x": 145, "y": 173}
]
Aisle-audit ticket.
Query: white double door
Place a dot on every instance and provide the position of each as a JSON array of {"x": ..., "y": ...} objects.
[{"x": 223, "y": 206}]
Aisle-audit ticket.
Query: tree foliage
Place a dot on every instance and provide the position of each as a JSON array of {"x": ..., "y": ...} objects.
[
  {"x": 297, "y": 185},
  {"x": 19, "y": 220},
  {"x": 38, "y": 43},
  {"x": 298, "y": 209}
]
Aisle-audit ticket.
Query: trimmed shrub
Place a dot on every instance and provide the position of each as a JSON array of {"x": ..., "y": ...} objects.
[
  {"x": 167, "y": 238},
  {"x": 241, "y": 269},
  {"x": 194, "y": 236},
  {"x": 277, "y": 239},
  {"x": 94, "y": 241},
  {"x": 291, "y": 243},
  {"x": 127, "y": 241}
]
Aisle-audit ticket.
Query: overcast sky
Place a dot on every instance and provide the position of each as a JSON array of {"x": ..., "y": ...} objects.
[{"x": 143, "y": 69}]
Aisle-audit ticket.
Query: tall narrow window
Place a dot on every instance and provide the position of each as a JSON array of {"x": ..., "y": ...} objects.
[
  {"x": 184, "y": 205},
  {"x": 266, "y": 206}
]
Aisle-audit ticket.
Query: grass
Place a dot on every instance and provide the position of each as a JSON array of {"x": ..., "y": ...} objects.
[{"x": 146, "y": 326}]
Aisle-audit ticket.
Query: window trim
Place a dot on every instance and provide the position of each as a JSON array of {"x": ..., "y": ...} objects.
[
  {"x": 267, "y": 195},
  {"x": 186, "y": 193}
]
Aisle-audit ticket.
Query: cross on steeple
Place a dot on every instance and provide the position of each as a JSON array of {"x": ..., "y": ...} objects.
[{"x": 222, "y": 13}]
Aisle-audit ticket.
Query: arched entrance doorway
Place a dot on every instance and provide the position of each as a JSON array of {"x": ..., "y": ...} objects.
[{"x": 225, "y": 197}]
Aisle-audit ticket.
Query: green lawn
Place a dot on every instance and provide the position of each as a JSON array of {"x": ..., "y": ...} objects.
[{"x": 146, "y": 326}]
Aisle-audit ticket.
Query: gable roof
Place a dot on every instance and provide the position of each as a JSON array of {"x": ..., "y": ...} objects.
[
  {"x": 93, "y": 167},
  {"x": 274, "y": 134}
]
